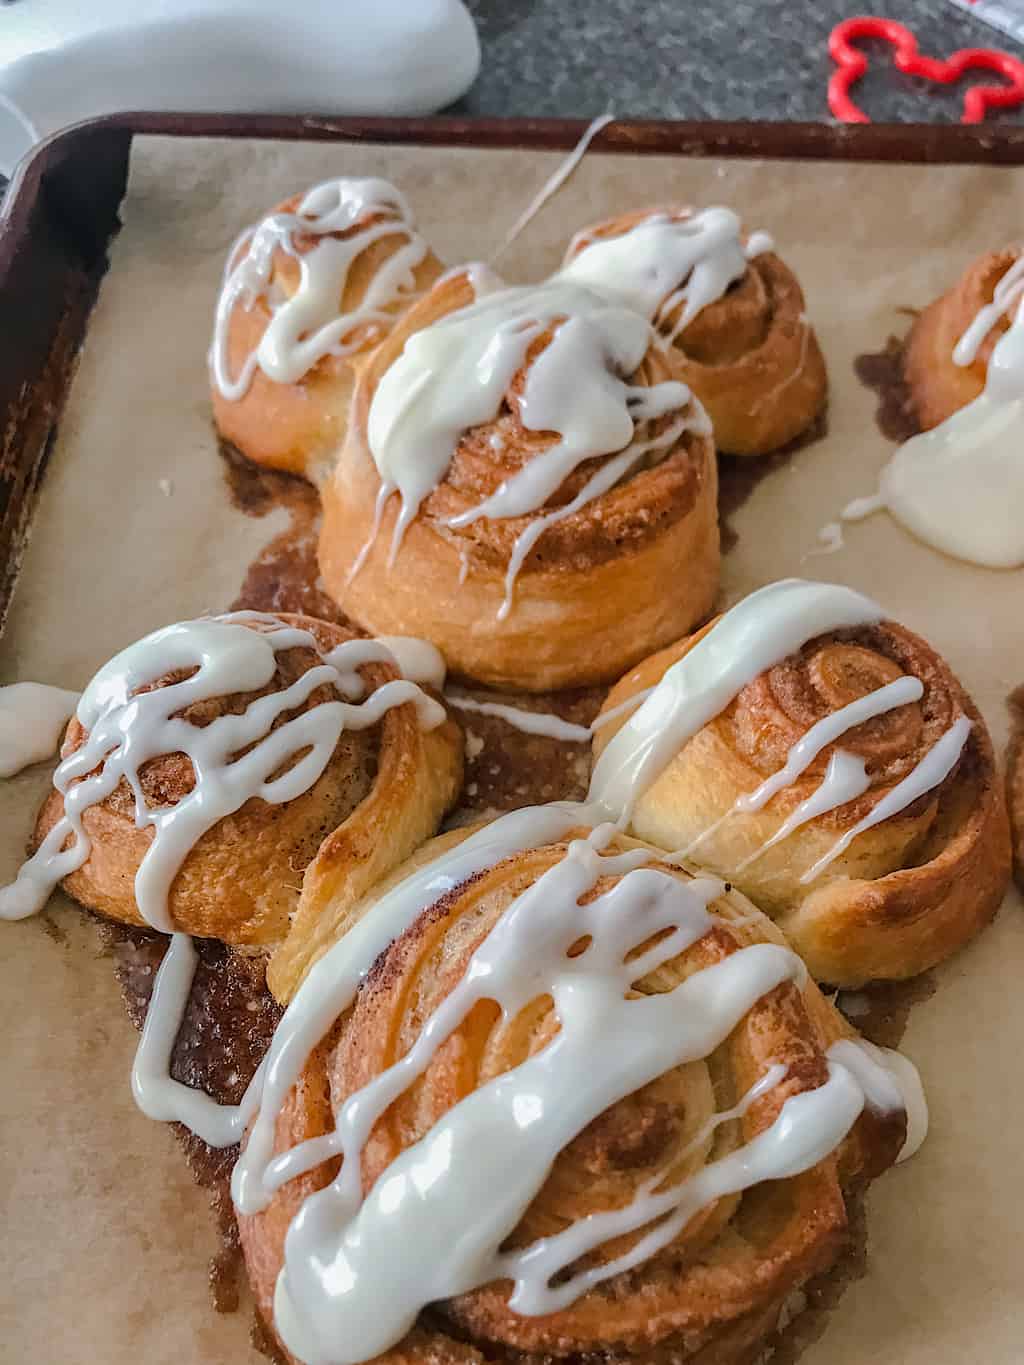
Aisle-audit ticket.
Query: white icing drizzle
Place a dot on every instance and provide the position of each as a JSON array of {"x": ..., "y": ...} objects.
[
  {"x": 845, "y": 779},
  {"x": 127, "y": 728},
  {"x": 357, "y": 1271},
  {"x": 931, "y": 772},
  {"x": 859, "y": 508},
  {"x": 545, "y": 722},
  {"x": 890, "y": 1081},
  {"x": 665, "y": 262},
  {"x": 960, "y": 486},
  {"x": 307, "y": 327},
  {"x": 529, "y": 722},
  {"x": 454, "y": 375},
  {"x": 630, "y": 704},
  {"x": 330, "y": 987},
  {"x": 830, "y": 540},
  {"x": 418, "y": 660},
  {"x": 809, "y": 1127},
  {"x": 758, "y": 633},
  {"x": 156, "y": 1092},
  {"x": 1005, "y": 297},
  {"x": 554, "y": 182},
  {"x": 841, "y": 779},
  {"x": 599, "y": 482},
  {"x": 32, "y": 717}
]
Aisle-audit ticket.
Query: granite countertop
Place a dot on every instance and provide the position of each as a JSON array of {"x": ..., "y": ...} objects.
[{"x": 698, "y": 59}]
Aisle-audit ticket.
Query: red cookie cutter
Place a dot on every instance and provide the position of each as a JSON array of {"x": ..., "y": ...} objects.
[{"x": 852, "y": 64}]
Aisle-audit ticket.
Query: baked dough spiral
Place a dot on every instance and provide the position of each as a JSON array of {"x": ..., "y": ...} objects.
[
  {"x": 939, "y": 387},
  {"x": 750, "y": 356},
  {"x": 597, "y": 590},
  {"x": 383, "y": 790},
  {"x": 718, "y": 1287},
  {"x": 905, "y": 893},
  {"x": 291, "y": 413}
]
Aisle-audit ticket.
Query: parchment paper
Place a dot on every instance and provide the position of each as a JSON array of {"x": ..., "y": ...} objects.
[{"x": 106, "y": 1239}]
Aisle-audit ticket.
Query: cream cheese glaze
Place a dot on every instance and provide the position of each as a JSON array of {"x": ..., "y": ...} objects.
[
  {"x": 454, "y": 375},
  {"x": 665, "y": 261},
  {"x": 306, "y": 327},
  {"x": 960, "y": 486},
  {"x": 32, "y": 717}
]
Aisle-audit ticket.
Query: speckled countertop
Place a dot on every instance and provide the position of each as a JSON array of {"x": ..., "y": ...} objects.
[{"x": 696, "y": 59}]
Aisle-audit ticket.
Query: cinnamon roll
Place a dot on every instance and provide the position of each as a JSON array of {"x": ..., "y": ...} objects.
[
  {"x": 946, "y": 357},
  {"x": 836, "y": 772},
  {"x": 209, "y": 763},
  {"x": 307, "y": 293},
  {"x": 730, "y": 310},
  {"x": 588, "y": 1104},
  {"x": 525, "y": 483}
]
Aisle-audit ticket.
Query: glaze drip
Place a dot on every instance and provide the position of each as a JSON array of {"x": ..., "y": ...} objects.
[
  {"x": 344, "y": 217},
  {"x": 960, "y": 486},
  {"x": 668, "y": 268}
]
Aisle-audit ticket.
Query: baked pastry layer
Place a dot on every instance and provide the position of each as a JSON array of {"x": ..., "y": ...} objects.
[
  {"x": 720, "y": 1284},
  {"x": 596, "y": 591},
  {"x": 907, "y": 892},
  {"x": 939, "y": 387},
  {"x": 383, "y": 791},
  {"x": 750, "y": 355}
]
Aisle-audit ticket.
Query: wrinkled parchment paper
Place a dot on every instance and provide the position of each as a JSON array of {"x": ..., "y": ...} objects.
[{"x": 106, "y": 1240}]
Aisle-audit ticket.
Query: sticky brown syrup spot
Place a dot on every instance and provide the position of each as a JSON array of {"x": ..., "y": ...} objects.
[
  {"x": 880, "y": 1011},
  {"x": 882, "y": 372},
  {"x": 227, "y": 1028}
]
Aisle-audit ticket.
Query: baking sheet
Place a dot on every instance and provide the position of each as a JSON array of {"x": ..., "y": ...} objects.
[{"x": 107, "y": 1238}]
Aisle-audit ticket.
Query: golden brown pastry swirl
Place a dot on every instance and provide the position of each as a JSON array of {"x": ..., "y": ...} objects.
[
  {"x": 643, "y": 552},
  {"x": 299, "y": 426},
  {"x": 937, "y": 386},
  {"x": 719, "y": 1286},
  {"x": 751, "y": 356},
  {"x": 907, "y": 892},
  {"x": 383, "y": 791}
]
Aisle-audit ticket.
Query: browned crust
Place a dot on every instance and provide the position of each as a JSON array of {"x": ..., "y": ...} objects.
[
  {"x": 598, "y": 591},
  {"x": 241, "y": 882},
  {"x": 954, "y": 843},
  {"x": 713, "y": 1293},
  {"x": 938, "y": 388},
  {"x": 297, "y": 427},
  {"x": 751, "y": 357}
]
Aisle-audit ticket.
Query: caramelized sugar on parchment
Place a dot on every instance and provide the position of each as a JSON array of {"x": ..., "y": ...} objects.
[
  {"x": 284, "y": 575},
  {"x": 228, "y": 1024},
  {"x": 882, "y": 372}
]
